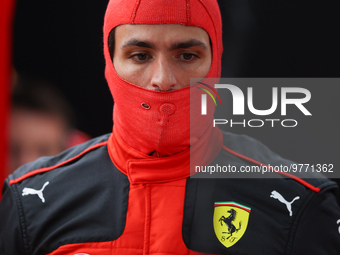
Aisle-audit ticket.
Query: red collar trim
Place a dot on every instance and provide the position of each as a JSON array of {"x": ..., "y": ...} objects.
[
  {"x": 303, "y": 182},
  {"x": 142, "y": 168}
]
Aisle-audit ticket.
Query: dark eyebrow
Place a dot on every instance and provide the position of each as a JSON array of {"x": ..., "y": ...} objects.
[
  {"x": 188, "y": 44},
  {"x": 135, "y": 42},
  {"x": 180, "y": 45}
]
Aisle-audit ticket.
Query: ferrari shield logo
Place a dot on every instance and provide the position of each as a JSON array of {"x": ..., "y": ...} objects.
[{"x": 230, "y": 222}]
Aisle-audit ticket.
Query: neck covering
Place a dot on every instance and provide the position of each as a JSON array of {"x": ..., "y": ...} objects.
[{"x": 154, "y": 122}]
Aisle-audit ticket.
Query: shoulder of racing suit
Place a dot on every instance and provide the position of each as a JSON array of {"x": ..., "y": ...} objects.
[
  {"x": 282, "y": 214},
  {"x": 76, "y": 196}
]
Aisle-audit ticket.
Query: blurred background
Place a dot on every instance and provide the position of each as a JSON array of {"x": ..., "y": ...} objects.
[{"x": 59, "y": 44}]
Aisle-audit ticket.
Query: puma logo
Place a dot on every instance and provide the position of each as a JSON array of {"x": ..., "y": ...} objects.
[
  {"x": 30, "y": 191},
  {"x": 278, "y": 196}
]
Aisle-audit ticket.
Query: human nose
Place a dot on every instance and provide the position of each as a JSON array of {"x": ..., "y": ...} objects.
[{"x": 163, "y": 76}]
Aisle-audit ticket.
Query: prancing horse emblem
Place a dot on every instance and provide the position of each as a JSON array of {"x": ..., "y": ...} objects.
[
  {"x": 279, "y": 197},
  {"x": 229, "y": 222},
  {"x": 30, "y": 191}
]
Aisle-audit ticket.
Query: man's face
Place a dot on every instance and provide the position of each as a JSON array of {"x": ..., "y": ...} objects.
[
  {"x": 161, "y": 57},
  {"x": 35, "y": 134}
]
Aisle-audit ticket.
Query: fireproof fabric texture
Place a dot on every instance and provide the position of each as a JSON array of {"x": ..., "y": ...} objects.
[
  {"x": 88, "y": 206},
  {"x": 164, "y": 126}
]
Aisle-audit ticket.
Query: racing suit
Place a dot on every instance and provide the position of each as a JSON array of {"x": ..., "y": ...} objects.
[{"x": 79, "y": 202}]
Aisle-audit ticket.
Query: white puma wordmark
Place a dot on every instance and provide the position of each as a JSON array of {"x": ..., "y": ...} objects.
[
  {"x": 30, "y": 191},
  {"x": 278, "y": 196}
]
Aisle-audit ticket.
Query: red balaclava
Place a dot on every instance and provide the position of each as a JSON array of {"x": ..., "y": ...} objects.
[{"x": 163, "y": 127}]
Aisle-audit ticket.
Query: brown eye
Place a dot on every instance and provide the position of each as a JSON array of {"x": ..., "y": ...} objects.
[
  {"x": 188, "y": 56},
  {"x": 140, "y": 57}
]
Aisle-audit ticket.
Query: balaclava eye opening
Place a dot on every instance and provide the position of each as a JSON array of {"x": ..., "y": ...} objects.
[
  {"x": 111, "y": 42},
  {"x": 152, "y": 121}
]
